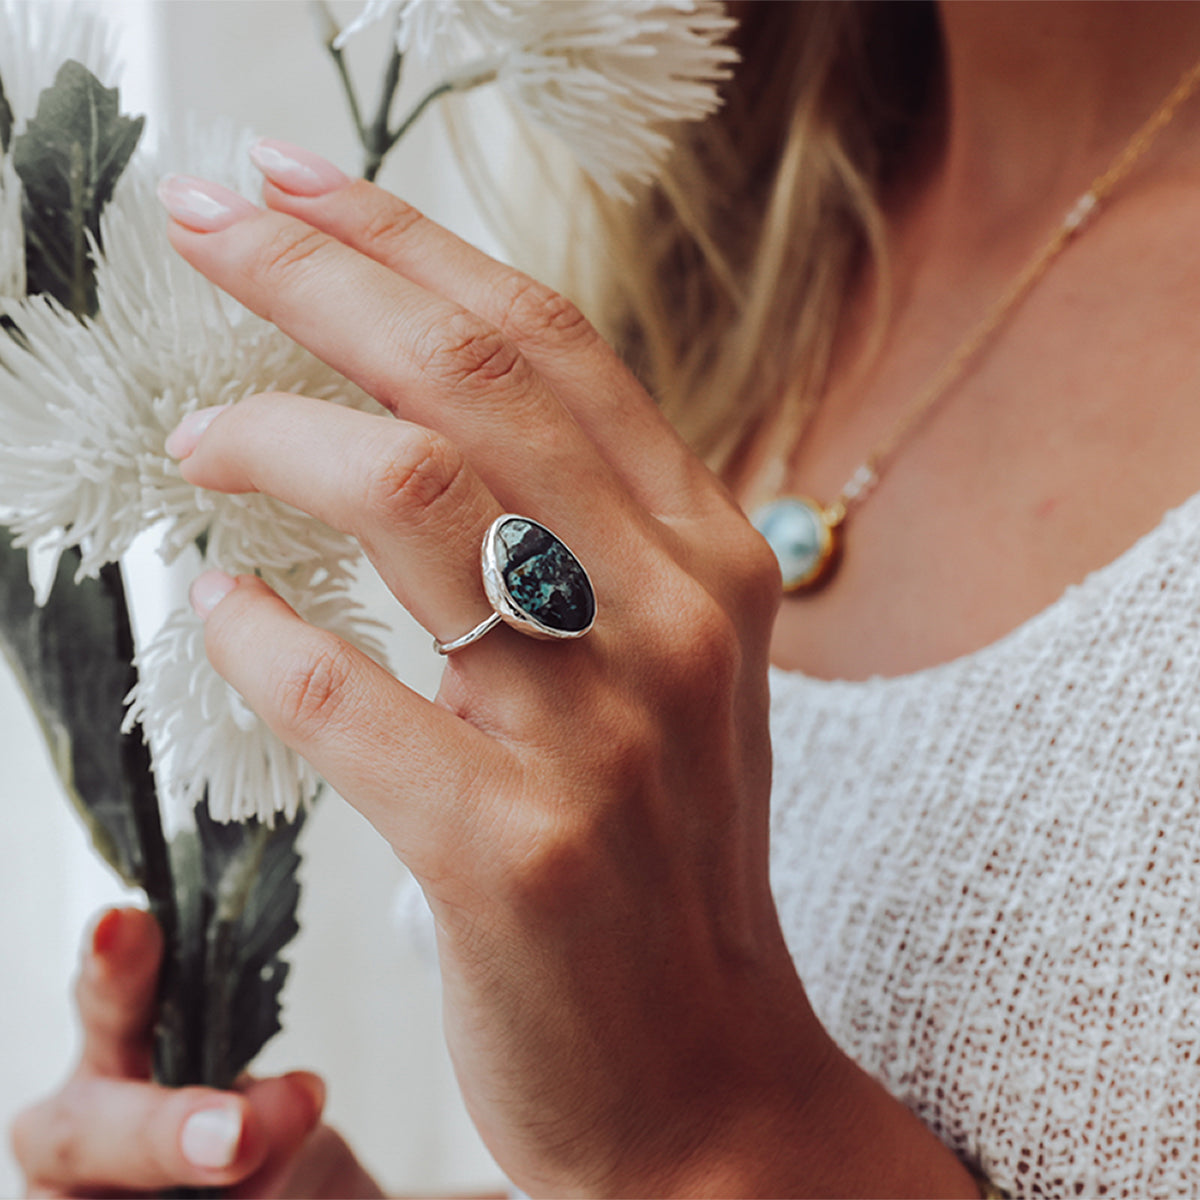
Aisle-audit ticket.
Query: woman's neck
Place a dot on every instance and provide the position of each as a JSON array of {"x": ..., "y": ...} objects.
[{"x": 1039, "y": 97}]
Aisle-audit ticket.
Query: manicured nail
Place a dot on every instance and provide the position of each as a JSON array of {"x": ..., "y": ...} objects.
[
  {"x": 201, "y": 205},
  {"x": 295, "y": 169},
  {"x": 210, "y": 1138},
  {"x": 185, "y": 437},
  {"x": 209, "y": 590},
  {"x": 106, "y": 933}
]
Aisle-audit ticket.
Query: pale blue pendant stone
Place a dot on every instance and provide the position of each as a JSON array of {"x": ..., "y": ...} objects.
[{"x": 798, "y": 534}]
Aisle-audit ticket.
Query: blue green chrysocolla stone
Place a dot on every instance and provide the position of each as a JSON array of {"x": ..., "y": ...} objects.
[{"x": 543, "y": 577}]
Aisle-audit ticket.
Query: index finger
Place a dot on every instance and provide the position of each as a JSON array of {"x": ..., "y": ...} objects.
[
  {"x": 419, "y": 354},
  {"x": 115, "y": 994}
]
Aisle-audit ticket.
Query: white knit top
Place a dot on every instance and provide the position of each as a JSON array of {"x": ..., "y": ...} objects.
[{"x": 989, "y": 876}]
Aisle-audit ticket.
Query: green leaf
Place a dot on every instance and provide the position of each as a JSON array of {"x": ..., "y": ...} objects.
[
  {"x": 6, "y": 120},
  {"x": 179, "y": 1032},
  {"x": 227, "y": 896},
  {"x": 73, "y": 657},
  {"x": 250, "y": 871},
  {"x": 69, "y": 159},
  {"x": 237, "y": 892}
]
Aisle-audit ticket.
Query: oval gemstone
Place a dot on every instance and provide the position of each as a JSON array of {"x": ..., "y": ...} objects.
[
  {"x": 542, "y": 577},
  {"x": 796, "y": 529}
]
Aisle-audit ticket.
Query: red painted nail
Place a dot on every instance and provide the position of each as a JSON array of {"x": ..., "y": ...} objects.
[{"x": 106, "y": 933}]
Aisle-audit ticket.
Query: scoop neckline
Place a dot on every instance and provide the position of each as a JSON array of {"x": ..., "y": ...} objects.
[{"x": 1073, "y": 594}]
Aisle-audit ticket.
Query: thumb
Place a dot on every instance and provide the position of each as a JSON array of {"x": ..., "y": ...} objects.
[{"x": 288, "y": 1108}]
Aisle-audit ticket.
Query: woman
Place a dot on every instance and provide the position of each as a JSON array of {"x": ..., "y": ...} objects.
[{"x": 979, "y": 831}]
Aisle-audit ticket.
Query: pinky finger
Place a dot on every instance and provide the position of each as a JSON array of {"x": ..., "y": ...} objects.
[{"x": 394, "y": 755}]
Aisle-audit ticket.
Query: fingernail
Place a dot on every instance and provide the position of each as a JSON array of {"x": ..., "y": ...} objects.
[
  {"x": 201, "y": 205},
  {"x": 185, "y": 437},
  {"x": 295, "y": 169},
  {"x": 209, "y": 590},
  {"x": 106, "y": 933},
  {"x": 210, "y": 1138}
]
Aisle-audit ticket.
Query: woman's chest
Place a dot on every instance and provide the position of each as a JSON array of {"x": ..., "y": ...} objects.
[
  {"x": 987, "y": 517},
  {"x": 988, "y": 874},
  {"x": 1065, "y": 439}
]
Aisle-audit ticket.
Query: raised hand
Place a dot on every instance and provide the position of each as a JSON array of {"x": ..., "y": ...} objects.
[{"x": 588, "y": 818}]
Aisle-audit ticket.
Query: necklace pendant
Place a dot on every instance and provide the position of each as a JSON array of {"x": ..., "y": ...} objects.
[{"x": 806, "y": 539}]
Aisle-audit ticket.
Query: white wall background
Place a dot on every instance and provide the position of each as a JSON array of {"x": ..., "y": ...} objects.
[{"x": 362, "y": 1005}]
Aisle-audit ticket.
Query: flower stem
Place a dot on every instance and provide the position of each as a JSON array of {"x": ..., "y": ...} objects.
[
  {"x": 375, "y": 137},
  {"x": 331, "y": 31},
  {"x": 461, "y": 83},
  {"x": 176, "y": 1032},
  {"x": 390, "y": 139}
]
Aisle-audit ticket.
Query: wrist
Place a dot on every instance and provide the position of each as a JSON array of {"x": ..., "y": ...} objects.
[{"x": 815, "y": 1124}]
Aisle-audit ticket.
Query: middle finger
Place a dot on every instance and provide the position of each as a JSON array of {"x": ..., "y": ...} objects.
[{"x": 420, "y": 355}]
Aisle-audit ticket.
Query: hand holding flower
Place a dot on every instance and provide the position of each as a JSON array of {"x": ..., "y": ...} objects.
[{"x": 110, "y": 1131}]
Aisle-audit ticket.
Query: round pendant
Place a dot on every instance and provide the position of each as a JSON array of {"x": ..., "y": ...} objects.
[{"x": 803, "y": 537}]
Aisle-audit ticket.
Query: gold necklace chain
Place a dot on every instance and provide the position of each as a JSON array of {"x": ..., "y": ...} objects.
[{"x": 807, "y": 535}]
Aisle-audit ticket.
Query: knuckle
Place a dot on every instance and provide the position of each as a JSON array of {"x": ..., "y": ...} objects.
[
  {"x": 755, "y": 571},
  {"x": 698, "y": 645},
  {"x": 699, "y": 660},
  {"x": 45, "y": 1141},
  {"x": 465, "y": 352},
  {"x": 20, "y": 1137},
  {"x": 632, "y": 755},
  {"x": 289, "y": 251},
  {"x": 410, "y": 476},
  {"x": 533, "y": 309},
  {"x": 716, "y": 646},
  {"x": 558, "y": 852},
  {"x": 557, "y": 863},
  {"x": 389, "y": 225},
  {"x": 311, "y": 692}
]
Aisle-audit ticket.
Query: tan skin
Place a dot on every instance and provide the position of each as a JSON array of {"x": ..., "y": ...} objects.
[
  {"x": 1079, "y": 426},
  {"x": 1062, "y": 447}
]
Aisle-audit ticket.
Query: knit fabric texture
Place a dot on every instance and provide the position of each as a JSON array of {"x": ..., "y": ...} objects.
[{"x": 988, "y": 873}]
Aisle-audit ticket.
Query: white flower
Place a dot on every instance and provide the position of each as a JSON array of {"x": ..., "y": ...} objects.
[
  {"x": 85, "y": 407},
  {"x": 204, "y": 738},
  {"x": 607, "y": 77},
  {"x": 371, "y": 11}
]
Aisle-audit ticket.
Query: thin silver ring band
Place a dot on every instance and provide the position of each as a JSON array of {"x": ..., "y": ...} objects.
[{"x": 484, "y": 626}]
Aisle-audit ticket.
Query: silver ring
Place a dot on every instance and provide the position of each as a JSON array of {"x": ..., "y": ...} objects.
[{"x": 533, "y": 582}]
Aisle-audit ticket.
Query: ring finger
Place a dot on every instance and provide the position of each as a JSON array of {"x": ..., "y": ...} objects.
[{"x": 403, "y": 491}]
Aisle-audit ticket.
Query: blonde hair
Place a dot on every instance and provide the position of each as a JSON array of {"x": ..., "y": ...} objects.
[{"x": 723, "y": 285}]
